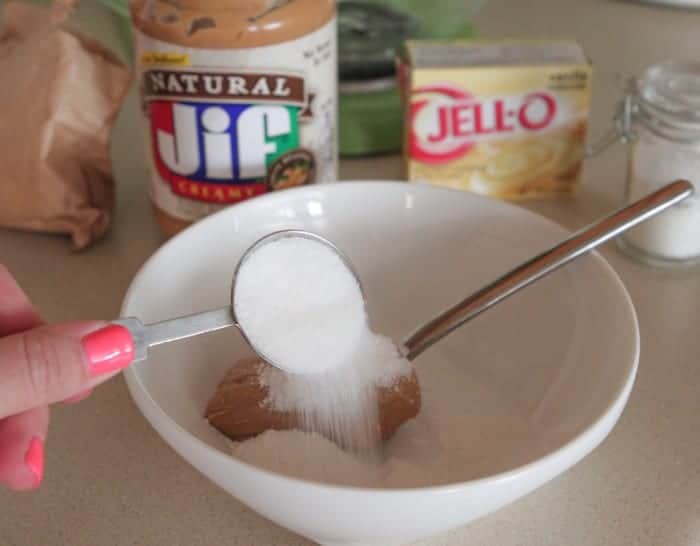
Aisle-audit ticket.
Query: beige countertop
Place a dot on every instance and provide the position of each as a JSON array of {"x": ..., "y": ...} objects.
[{"x": 111, "y": 480}]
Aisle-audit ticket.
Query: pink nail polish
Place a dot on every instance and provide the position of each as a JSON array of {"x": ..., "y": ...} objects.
[
  {"x": 109, "y": 349},
  {"x": 34, "y": 459}
]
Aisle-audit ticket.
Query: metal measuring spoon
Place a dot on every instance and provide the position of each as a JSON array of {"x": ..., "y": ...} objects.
[
  {"x": 581, "y": 242},
  {"x": 158, "y": 333}
]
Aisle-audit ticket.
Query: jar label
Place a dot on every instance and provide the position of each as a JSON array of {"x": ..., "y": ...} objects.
[{"x": 227, "y": 125}]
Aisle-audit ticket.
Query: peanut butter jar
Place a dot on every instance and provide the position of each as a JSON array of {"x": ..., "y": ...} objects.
[{"x": 239, "y": 98}]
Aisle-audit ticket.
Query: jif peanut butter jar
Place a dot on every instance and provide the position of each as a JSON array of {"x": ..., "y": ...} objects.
[{"x": 239, "y": 99}]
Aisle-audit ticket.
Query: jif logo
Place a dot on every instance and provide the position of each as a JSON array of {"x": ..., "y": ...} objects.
[{"x": 220, "y": 143}]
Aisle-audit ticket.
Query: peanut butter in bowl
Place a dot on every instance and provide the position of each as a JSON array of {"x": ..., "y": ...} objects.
[{"x": 241, "y": 408}]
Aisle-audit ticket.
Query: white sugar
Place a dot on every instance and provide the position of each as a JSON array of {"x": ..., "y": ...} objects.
[
  {"x": 299, "y": 305},
  {"x": 342, "y": 403},
  {"x": 288, "y": 452},
  {"x": 675, "y": 233},
  {"x": 466, "y": 430}
]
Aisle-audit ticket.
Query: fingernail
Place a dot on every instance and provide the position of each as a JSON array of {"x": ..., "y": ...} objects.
[
  {"x": 34, "y": 459},
  {"x": 108, "y": 349}
]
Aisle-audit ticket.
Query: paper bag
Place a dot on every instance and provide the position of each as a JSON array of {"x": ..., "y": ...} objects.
[{"x": 61, "y": 92}]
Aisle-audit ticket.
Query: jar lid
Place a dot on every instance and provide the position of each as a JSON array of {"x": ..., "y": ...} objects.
[{"x": 668, "y": 99}]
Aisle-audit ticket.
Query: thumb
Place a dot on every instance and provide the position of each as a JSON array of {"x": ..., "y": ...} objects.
[{"x": 52, "y": 363}]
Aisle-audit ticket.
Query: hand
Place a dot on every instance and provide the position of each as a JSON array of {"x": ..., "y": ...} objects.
[{"x": 40, "y": 365}]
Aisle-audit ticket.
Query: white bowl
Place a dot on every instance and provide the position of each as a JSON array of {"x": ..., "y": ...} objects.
[{"x": 561, "y": 356}]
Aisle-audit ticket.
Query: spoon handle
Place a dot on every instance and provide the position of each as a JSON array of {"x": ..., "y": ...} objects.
[
  {"x": 534, "y": 269},
  {"x": 157, "y": 333}
]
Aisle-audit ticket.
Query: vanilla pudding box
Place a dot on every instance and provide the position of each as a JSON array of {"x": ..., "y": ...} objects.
[{"x": 505, "y": 119}]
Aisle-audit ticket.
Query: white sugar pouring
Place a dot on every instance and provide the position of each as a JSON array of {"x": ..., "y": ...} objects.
[{"x": 334, "y": 291}]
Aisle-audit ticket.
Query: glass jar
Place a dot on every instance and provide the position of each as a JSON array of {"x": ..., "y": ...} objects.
[{"x": 660, "y": 119}]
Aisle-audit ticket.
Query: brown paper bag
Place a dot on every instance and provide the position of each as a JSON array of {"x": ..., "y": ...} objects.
[{"x": 61, "y": 92}]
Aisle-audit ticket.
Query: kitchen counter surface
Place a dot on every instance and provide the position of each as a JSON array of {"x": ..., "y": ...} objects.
[{"x": 111, "y": 480}]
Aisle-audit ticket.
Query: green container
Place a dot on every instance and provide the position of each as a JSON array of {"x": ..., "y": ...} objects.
[
  {"x": 370, "y": 122},
  {"x": 370, "y": 34}
]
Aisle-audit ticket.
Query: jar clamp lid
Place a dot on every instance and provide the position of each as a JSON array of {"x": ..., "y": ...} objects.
[{"x": 665, "y": 101}]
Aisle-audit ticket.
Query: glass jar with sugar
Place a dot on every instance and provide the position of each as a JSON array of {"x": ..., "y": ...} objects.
[{"x": 660, "y": 119}]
